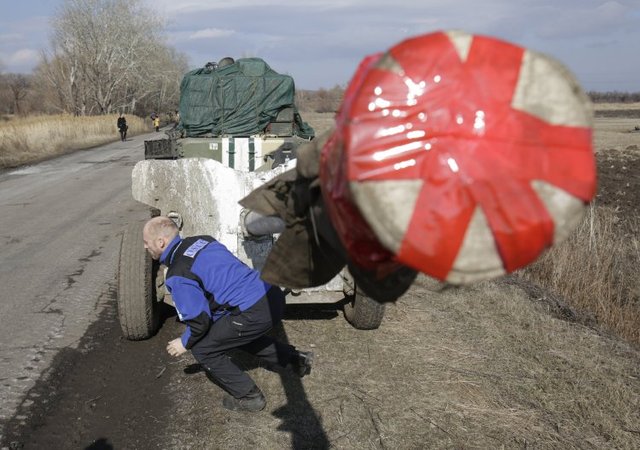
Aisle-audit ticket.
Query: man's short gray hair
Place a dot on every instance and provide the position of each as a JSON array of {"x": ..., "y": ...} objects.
[{"x": 162, "y": 226}]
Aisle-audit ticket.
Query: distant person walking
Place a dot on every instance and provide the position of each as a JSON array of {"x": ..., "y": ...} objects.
[
  {"x": 122, "y": 127},
  {"x": 156, "y": 121}
]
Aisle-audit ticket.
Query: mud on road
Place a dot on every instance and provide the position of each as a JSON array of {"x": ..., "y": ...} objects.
[
  {"x": 104, "y": 394},
  {"x": 464, "y": 368}
]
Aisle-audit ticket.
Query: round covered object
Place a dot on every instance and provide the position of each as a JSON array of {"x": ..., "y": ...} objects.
[{"x": 458, "y": 155}]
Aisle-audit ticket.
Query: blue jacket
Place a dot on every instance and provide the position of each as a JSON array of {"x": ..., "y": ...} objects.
[{"x": 206, "y": 280}]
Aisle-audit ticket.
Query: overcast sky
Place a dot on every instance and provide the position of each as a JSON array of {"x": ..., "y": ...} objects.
[{"x": 320, "y": 42}]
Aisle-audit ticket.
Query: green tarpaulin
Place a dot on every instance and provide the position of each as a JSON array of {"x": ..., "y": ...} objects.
[{"x": 239, "y": 99}]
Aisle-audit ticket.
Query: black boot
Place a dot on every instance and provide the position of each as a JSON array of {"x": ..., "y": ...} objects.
[
  {"x": 254, "y": 401},
  {"x": 302, "y": 364}
]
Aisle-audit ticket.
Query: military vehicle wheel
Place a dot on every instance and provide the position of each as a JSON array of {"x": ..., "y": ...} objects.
[
  {"x": 138, "y": 309},
  {"x": 363, "y": 312}
]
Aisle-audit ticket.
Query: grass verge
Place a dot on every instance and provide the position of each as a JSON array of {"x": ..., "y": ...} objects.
[
  {"x": 595, "y": 272},
  {"x": 35, "y": 138}
]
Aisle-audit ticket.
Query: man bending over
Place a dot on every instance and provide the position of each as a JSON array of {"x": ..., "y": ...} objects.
[{"x": 225, "y": 305}]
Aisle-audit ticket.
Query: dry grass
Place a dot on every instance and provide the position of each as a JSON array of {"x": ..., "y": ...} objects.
[
  {"x": 596, "y": 272},
  {"x": 31, "y": 139},
  {"x": 320, "y": 122},
  {"x": 615, "y": 106},
  {"x": 615, "y": 133},
  {"x": 615, "y": 110}
]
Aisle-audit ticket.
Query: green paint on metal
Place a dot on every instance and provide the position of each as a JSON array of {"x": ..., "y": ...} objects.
[
  {"x": 232, "y": 152},
  {"x": 252, "y": 155}
]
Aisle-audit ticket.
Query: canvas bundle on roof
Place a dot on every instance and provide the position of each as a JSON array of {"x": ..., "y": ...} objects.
[{"x": 238, "y": 99}]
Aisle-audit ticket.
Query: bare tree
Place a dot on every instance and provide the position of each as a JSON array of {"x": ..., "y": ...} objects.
[
  {"x": 159, "y": 89},
  {"x": 61, "y": 73},
  {"x": 108, "y": 55},
  {"x": 19, "y": 85}
]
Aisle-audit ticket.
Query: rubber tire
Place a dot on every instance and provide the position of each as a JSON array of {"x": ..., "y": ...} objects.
[
  {"x": 138, "y": 310},
  {"x": 363, "y": 313}
]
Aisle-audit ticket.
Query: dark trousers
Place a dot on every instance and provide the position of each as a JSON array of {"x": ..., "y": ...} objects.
[{"x": 244, "y": 330}]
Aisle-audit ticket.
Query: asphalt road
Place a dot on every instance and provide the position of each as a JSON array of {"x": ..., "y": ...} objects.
[{"x": 60, "y": 232}]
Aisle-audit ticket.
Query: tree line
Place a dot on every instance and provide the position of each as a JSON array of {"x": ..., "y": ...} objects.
[
  {"x": 22, "y": 94},
  {"x": 38, "y": 93},
  {"x": 614, "y": 97}
]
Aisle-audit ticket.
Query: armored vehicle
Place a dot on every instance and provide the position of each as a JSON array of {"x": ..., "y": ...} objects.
[{"x": 239, "y": 127}]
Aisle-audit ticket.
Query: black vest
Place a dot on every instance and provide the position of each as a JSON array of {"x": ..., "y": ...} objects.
[{"x": 180, "y": 265}]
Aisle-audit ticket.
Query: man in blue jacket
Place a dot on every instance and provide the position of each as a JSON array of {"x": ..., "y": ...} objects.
[{"x": 225, "y": 305}]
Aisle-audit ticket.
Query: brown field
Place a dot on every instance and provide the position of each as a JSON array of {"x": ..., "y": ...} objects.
[{"x": 617, "y": 110}]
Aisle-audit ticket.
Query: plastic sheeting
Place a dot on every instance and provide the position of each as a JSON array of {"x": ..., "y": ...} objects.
[
  {"x": 461, "y": 156},
  {"x": 240, "y": 99}
]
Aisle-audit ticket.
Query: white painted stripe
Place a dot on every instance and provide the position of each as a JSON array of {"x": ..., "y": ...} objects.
[
  {"x": 225, "y": 151},
  {"x": 241, "y": 160}
]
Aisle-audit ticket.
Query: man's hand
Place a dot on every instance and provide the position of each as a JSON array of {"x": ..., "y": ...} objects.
[{"x": 175, "y": 347}]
